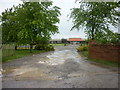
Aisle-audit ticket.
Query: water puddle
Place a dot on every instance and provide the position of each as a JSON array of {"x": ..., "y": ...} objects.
[{"x": 59, "y": 57}]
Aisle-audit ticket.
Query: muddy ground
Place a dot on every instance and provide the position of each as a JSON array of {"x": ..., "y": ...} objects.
[{"x": 62, "y": 68}]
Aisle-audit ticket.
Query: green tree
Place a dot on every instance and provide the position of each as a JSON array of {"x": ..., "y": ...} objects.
[
  {"x": 34, "y": 21},
  {"x": 96, "y": 17},
  {"x": 9, "y": 26}
]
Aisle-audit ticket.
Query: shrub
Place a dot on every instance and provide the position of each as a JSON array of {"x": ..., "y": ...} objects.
[
  {"x": 49, "y": 48},
  {"x": 82, "y": 48},
  {"x": 44, "y": 47},
  {"x": 38, "y": 47}
]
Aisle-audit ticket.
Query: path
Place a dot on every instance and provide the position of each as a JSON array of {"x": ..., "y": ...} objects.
[{"x": 62, "y": 68}]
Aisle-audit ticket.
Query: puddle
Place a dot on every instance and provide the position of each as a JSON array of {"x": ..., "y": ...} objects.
[
  {"x": 41, "y": 62},
  {"x": 59, "y": 57}
]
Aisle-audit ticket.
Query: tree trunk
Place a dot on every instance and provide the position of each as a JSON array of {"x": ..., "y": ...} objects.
[
  {"x": 31, "y": 46},
  {"x": 93, "y": 25},
  {"x": 92, "y": 33},
  {"x": 15, "y": 47}
]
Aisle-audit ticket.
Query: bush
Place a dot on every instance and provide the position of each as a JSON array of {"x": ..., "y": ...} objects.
[
  {"x": 82, "y": 48},
  {"x": 39, "y": 47},
  {"x": 44, "y": 47}
]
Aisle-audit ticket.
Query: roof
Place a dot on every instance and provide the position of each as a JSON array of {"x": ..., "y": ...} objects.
[{"x": 75, "y": 39}]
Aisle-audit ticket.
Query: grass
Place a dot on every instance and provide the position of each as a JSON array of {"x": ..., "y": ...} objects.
[
  {"x": 84, "y": 53},
  {"x": 99, "y": 61},
  {"x": 57, "y": 44},
  {"x": 20, "y": 53}
]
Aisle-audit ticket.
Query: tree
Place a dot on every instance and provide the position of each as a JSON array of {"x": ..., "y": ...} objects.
[
  {"x": 34, "y": 21},
  {"x": 0, "y": 32},
  {"x": 96, "y": 18},
  {"x": 9, "y": 26}
]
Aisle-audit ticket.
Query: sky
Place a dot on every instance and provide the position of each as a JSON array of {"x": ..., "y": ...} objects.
[{"x": 65, "y": 24}]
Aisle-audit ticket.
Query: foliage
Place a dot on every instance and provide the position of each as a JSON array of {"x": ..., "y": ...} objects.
[
  {"x": 82, "y": 48},
  {"x": 108, "y": 38},
  {"x": 0, "y": 35},
  {"x": 30, "y": 22},
  {"x": 43, "y": 41},
  {"x": 44, "y": 47},
  {"x": 9, "y": 26},
  {"x": 96, "y": 18}
]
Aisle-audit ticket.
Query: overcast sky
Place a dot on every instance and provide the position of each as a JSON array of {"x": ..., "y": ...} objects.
[{"x": 65, "y": 23}]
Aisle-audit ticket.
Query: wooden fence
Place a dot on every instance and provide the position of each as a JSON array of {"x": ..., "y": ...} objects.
[{"x": 8, "y": 50}]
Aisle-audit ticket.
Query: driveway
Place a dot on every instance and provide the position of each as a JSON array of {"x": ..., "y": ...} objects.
[{"x": 62, "y": 68}]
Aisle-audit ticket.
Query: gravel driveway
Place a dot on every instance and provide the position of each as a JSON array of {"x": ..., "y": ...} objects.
[{"x": 62, "y": 68}]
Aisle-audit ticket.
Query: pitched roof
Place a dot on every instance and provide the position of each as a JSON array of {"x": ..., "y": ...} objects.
[{"x": 75, "y": 39}]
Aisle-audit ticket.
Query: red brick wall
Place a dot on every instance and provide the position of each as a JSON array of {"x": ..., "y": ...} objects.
[{"x": 104, "y": 52}]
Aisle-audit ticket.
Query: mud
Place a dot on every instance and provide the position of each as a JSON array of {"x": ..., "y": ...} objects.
[{"x": 62, "y": 68}]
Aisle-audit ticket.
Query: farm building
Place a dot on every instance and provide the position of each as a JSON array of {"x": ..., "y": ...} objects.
[
  {"x": 76, "y": 40},
  {"x": 69, "y": 40}
]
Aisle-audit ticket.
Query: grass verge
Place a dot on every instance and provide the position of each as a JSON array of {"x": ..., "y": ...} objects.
[
  {"x": 57, "y": 44},
  {"x": 99, "y": 61},
  {"x": 20, "y": 53}
]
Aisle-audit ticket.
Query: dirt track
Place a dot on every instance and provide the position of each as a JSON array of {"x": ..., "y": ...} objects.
[{"x": 62, "y": 68}]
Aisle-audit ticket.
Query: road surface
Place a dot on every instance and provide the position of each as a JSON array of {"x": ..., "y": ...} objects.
[{"x": 62, "y": 68}]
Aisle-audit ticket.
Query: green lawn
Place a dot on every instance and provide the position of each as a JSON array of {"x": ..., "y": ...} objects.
[
  {"x": 20, "y": 53},
  {"x": 103, "y": 62},
  {"x": 57, "y": 44}
]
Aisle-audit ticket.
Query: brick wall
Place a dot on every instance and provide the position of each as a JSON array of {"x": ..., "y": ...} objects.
[{"x": 104, "y": 52}]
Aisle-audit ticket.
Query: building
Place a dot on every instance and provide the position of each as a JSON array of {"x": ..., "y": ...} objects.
[
  {"x": 76, "y": 40},
  {"x": 55, "y": 41},
  {"x": 69, "y": 40}
]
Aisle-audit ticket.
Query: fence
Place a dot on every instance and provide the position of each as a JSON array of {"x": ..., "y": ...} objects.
[
  {"x": 24, "y": 46},
  {"x": 8, "y": 50},
  {"x": 105, "y": 52}
]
